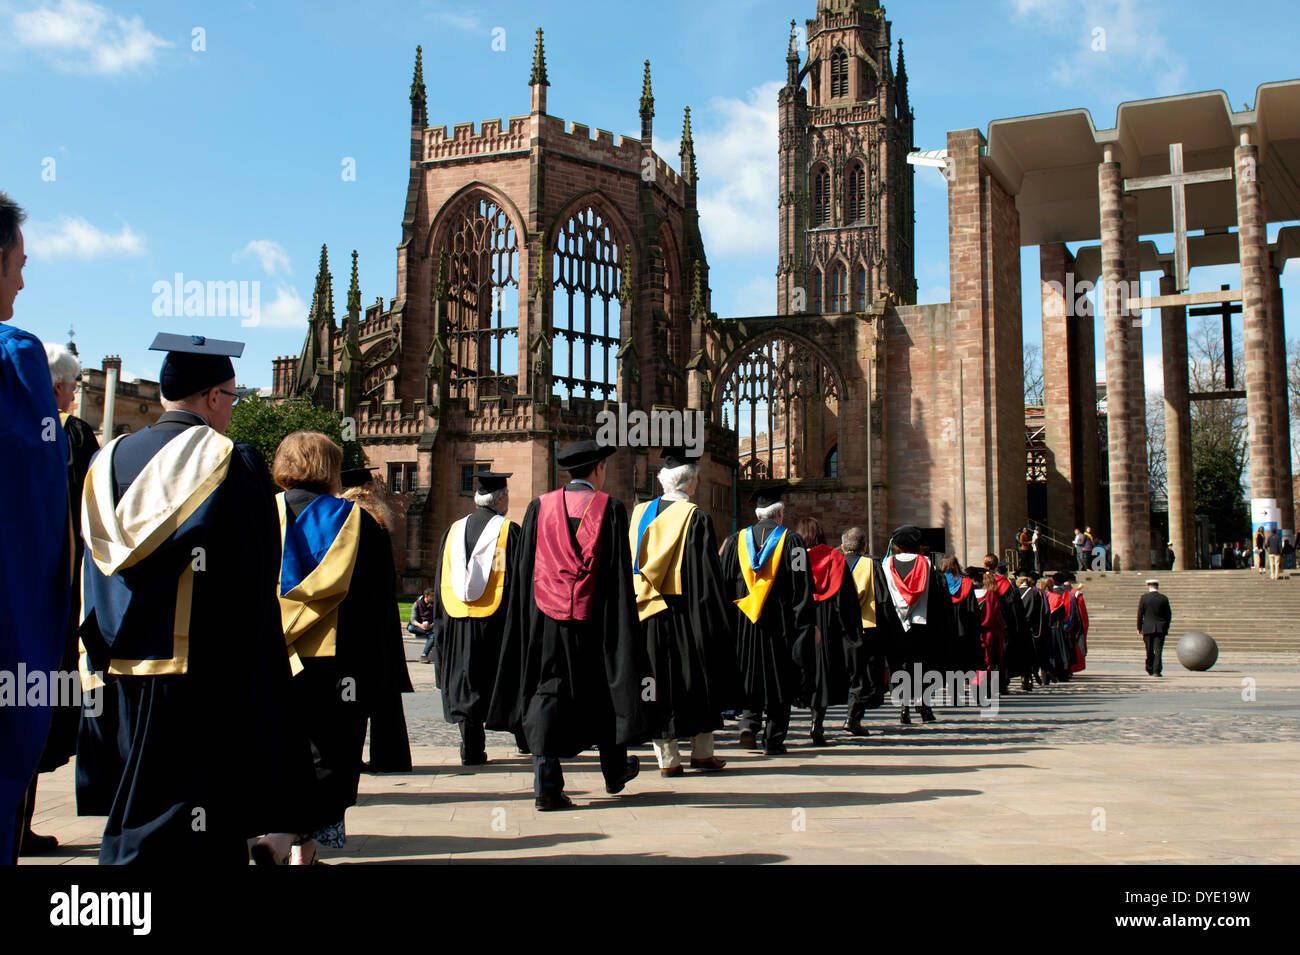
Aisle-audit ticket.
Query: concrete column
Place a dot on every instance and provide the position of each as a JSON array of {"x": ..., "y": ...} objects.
[
  {"x": 1069, "y": 394},
  {"x": 1281, "y": 397},
  {"x": 1260, "y": 406},
  {"x": 1129, "y": 494},
  {"x": 1141, "y": 513},
  {"x": 1178, "y": 430}
]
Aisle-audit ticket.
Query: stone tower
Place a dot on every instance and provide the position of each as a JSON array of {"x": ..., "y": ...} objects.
[{"x": 845, "y": 188}]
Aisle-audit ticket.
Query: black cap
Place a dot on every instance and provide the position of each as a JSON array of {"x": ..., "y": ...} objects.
[
  {"x": 194, "y": 363},
  {"x": 909, "y": 535},
  {"x": 582, "y": 454},
  {"x": 768, "y": 494},
  {"x": 677, "y": 456},
  {"x": 1062, "y": 577},
  {"x": 489, "y": 481},
  {"x": 976, "y": 573},
  {"x": 356, "y": 477}
]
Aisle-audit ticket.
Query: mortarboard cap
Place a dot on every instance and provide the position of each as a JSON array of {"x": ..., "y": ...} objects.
[
  {"x": 767, "y": 495},
  {"x": 194, "y": 363},
  {"x": 1062, "y": 577},
  {"x": 355, "y": 477},
  {"x": 909, "y": 535},
  {"x": 489, "y": 481},
  {"x": 582, "y": 454},
  {"x": 677, "y": 456}
]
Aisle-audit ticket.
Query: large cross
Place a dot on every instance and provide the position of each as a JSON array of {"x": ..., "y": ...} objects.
[
  {"x": 1227, "y": 310},
  {"x": 1177, "y": 182}
]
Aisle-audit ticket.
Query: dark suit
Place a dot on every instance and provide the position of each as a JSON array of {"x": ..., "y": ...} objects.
[{"x": 1153, "y": 620}]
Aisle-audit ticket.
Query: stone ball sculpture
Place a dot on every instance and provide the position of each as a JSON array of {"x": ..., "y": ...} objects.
[{"x": 1197, "y": 651}]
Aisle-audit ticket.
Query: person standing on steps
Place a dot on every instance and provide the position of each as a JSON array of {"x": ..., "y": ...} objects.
[{"x": 1153, "y": 620}]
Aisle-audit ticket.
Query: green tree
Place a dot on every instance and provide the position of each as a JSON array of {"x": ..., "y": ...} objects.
[
  {"x": 264, "y": 425},
  {"x": 1217, "y": 491}
]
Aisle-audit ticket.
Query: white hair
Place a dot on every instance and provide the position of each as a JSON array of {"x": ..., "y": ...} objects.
[
  {"x": 771, "y": 512},
  {"x": 489, "y": 498},
  {"x": 675, "y": 480},
  {"x": 64, "y": 367}
]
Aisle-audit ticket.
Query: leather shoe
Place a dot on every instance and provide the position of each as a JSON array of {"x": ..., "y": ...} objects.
[
  {"x": 776, "y": 749},
  {"x": 552, "y": 802},
  {"x": 818, "y": 738},
  {"x": 712, "y": 763},
  {"x": 747, "y": 740},
  {"x": 905, "y": 718},
  {"x": 424, "y": 658},
  {"x": 671, "y": 771},
  {"x": 854, "y": 727},
  {"x": 927, "y": 714},
  {"x": 34, "y": 845},
  {"x": 473, "y": 760},
  {"x": 633, "y": 770}
]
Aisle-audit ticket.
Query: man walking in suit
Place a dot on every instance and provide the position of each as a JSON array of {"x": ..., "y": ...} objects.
[{"x": 1154, "y": 618}]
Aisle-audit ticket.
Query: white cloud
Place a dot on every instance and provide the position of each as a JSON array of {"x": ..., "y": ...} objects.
[
  {"x": 76, "y": 238},
  {"x": 460, "y": 19},
  {"x": 83, "y": 37},
  {"x": 737, "y": 162},
  {"x": 286, "y": 310},
  {"x": 1117, "y": 47},
  {"x": 755, "y": 297},
  {"x": 270, "y": 254}
]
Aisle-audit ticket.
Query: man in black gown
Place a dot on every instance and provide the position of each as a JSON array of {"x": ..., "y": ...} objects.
[
  {"x": 685, "y": 616},
  {"x": 917, "y": 611},
  {"x": 769, "y": 580},
  {"x": 574, "y": 671},
  {"x": 182, "y": 559},
  {"x": 473, "y": 587}
]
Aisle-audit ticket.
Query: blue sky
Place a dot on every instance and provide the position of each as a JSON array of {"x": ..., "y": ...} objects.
[{"x": 139, "y": 156}]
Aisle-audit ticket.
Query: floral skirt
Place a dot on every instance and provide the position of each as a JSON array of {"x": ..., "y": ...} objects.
[{"x": 333, "y": 836}]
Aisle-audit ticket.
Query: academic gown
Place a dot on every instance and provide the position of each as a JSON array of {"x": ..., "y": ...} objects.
[
  {"x": 867, "y": 679},
  {"x": 1060, "y": 654},
  {"x": 992, "y": 635},
  {"x": 61, "y": 744},
  {"x": 390, "y": 746},
  {"x": 838, "y": 641},
  {"x": 569, "y": 685},
  {"x": 1018, "y": 654},
  {"x": 925, "y": 644},
  {"x": 216, "y": 754},
  {"x": 770, "y": 653},
  {"x": 966, "y": 653},
  {"x": 1036, "y": 620},
  {"x": 469, "y": 650},
  {"x": 692, "y": 658},
  {"x": 337, "y": 694},
  {"x": 35, "y": 558}
]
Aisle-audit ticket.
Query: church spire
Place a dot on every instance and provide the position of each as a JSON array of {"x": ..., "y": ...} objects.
[
  {"x": 901, "y": 72},
  {"x": 538, "y": 77},
  {"x": 687, "y": 151},
  {"x": 354, "y": 292},
  {"x": 418, "y": 98},
  {"x": 538, "y": 81},
  {"x": 324, "y": 294},
  {"x": 792, "y": 59},
  {"x": 647, "y": 107}
]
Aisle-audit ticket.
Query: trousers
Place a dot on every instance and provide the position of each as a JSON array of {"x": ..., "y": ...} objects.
[
  {"x": 548, "y": 775},
  {"x": 774, "y": 729},
  {"x": 1155, "y": 643},
  {"x": 669, "y": 755}
]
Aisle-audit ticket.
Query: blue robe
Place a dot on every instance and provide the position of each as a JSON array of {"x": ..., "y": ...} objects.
[{"x": 35, "y": 558}]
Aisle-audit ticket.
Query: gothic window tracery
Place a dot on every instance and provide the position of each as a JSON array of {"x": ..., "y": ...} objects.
[
  {"x": 784, "y": 401},
  {"x": 482, "y": 319},
  {"x": 839, "y": 73},
  {"x": 586, "y": 313},
  {"x": 857, "y": 198},
  {"x": 839, "y": 290},
  {"x": 821, "y": 196}
]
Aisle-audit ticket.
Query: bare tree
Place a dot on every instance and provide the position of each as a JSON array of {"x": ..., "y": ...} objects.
[
  {"x": 1033, "y": 364},
  {"x": 1157, "y": 465},
  {"x": 1219, "y": 424}
]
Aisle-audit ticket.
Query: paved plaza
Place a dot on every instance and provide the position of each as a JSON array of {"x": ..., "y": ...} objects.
[{"x": 1111, "y": 767}]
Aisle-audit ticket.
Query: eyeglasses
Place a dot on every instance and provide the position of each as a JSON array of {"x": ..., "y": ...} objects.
[{"x": 234, "y": 398}]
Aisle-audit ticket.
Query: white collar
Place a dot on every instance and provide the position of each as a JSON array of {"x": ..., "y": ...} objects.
[
  {"x": 675, "y": 496},
  {"x": 583, "y": 481}
]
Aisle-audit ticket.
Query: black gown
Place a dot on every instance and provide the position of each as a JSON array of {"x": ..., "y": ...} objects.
[
  {"x": 337, "y": 695},
  {"x": 770, "y": 652},
  {"x": 390, "y": 746},
  {"x": 569, "y": 685},
  {"x": 1018, "y": 655},
  {"x": 469, "y": 648},
  {"x": 692, "y": 658},
  {"x": 218, "y": 754},
  {"x": 837, "y": 646},
  {"x": 966, "y": 653},
  {"x": 1038, "y": 624},
  {"x": 924, "y": 644}
]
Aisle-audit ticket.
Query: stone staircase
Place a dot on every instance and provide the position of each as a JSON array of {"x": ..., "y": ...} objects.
[{"x": 1248, "y": 615}]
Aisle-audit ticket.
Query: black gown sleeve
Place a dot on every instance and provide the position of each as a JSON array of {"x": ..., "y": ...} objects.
[
  {"x": 506, "y": 711},
  {"x": 627, "y": 662},
  {"x": 710, "y": 610}
]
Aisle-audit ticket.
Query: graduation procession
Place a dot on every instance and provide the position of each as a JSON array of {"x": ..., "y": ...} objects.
[{"x": 235, "y": 632}]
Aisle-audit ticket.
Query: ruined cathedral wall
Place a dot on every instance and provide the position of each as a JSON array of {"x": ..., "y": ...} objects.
[{"x": 923, "y": 421}]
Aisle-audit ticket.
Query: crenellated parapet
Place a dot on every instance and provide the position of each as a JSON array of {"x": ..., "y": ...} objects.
[{"x": 464, "y": 141}]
